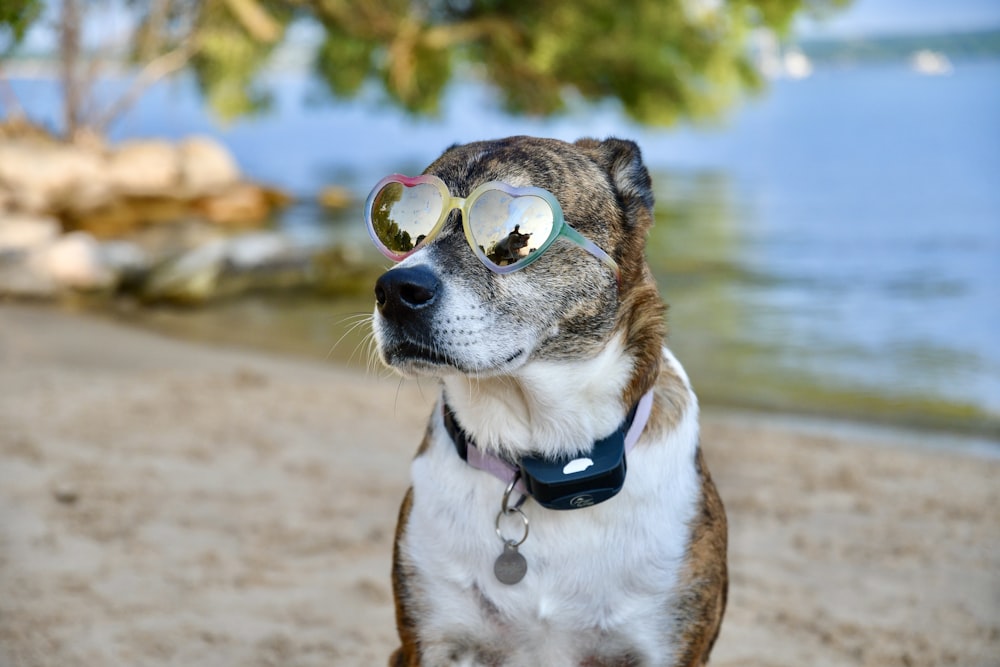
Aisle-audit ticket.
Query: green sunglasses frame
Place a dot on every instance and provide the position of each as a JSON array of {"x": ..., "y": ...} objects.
[{"x": 449, "y": 203}]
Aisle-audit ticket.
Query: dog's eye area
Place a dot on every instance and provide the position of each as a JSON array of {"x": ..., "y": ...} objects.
[{"x": 508, "y": 228}]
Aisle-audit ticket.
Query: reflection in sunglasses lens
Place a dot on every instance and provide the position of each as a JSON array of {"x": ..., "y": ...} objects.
[
  {"x": 508, "y": 229},
  {"x": 403, "y": 216}
]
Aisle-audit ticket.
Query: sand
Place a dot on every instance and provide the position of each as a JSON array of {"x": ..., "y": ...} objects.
[{"x": 172, "y": 503}]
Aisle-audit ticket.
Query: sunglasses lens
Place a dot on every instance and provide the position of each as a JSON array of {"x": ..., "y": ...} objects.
[
  {"x": 402, "y": 216},
  {"x": 509, "y": 228}
]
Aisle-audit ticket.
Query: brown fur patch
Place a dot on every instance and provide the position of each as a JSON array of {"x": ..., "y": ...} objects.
[
  {"x": 641, "y": 318},
  {"x": 704, "y": 585},
  {"x": 408, "y": 654},
  {"x": 428, "y": 434},
  {"x": 640, "y": 311}
]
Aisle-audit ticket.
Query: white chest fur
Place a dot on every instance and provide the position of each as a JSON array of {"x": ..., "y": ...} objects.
[{"x": 598, "y": 578}]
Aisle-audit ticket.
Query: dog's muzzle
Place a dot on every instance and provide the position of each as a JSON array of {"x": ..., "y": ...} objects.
[
  {"x": 406, "y": 298},
  {"x": 403, "y": 294}
]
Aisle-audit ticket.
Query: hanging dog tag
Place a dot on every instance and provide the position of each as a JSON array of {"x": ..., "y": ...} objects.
[{"x": 510, "y": 566}]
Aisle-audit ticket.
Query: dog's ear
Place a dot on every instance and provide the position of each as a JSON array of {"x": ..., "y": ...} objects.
[{"x": 622, "y": 160}]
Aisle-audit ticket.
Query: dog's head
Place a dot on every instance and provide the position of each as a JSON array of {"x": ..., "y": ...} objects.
[{"x": 442, "y": 311}]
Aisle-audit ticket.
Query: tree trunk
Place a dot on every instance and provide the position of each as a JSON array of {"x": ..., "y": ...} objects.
[{"x": 70, "y": 52}]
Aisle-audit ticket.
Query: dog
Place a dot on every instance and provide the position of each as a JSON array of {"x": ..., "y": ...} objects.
[{"x": 494, "y": 563}]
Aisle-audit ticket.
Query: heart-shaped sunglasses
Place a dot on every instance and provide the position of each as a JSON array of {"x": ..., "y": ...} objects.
[{"x": 506, "y": 227}]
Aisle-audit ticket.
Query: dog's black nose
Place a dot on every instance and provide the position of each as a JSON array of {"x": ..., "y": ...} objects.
[{"x": 401, "y": 292}]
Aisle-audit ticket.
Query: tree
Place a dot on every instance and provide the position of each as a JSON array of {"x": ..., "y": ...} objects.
[
  {"x": 663, "y": 59},
  {"x": 225, "y": 43},
  {"x": 16, "y": 16}
]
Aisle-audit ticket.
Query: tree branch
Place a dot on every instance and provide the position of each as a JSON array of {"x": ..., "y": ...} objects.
[
  {"x": 157, "y": 69},
  {"x": 9, "y": 99},
  {"x": 255, "y": 20},
  {"x": 449, "y": 35},
  {"x": 156, "y": 20}
]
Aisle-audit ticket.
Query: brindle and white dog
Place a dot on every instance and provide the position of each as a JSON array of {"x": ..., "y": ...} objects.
[{"x": 547, "y": 361}]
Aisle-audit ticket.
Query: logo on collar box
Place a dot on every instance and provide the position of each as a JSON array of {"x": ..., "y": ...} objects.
[{"x": 577, "y": 482}]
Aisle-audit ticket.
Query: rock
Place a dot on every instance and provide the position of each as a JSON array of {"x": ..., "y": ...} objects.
[
  {"x": 148, "y": 167},
  {"x": 124, "y": 257},
  {"x": 345, "y": 269},
  {"x": 113, "y": 219},
  {"x": 190, "y": 278},
  {"x": 110, "y": 192},
  {"x": 206, "y": 167},
  {"x": 225, "y": 267},
  {"x": 36, "y": 262},
  {"x": 127, "y": 214},
  {"x": 74, "y": 261},
  {"x": 44, "y": 177},
  {"x": 242, "y": 204},
  {"x": 163, "y": 242},
  {"x": 276, "y": 198},
  {"x": 20, "y": 232},
  {"x": 251, "y": 250},
  {"x": 335, "y": 197},
  {"x": 65, "y": 492},
  {"x": 17, "y": 126}
]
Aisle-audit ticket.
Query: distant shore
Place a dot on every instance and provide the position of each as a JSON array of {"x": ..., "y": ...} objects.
[{"x": 165, "y": 502}]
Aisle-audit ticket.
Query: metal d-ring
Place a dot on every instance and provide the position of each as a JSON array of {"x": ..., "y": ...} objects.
[
  {"x": 505, "y": 504},
  {"x": 524, "y": 520},
  {"x": 507, "y": 510}
]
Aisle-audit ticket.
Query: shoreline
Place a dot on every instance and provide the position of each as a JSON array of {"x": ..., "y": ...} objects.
[
  {"x": 874, "y": 433},
  {"x": 168, "y": 502},
  {"x": 981, "y": 437}
]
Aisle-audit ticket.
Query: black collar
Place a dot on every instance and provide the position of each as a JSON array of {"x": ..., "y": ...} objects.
[{"x": 564, "y": 483}]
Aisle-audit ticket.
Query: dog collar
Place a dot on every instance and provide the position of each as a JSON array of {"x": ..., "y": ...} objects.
[{"x": 568, "y": 482}]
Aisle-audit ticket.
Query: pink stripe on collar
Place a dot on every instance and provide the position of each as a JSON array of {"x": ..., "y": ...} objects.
[{"x": 642, "y": 412}]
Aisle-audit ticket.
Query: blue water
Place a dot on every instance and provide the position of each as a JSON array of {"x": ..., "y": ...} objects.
[{"x": 840, "y": 233}]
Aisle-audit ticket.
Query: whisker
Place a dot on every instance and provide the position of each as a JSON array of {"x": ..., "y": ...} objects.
[
  {"x": 373, "y": 364},
  {"x": 359, "y": 319},
  {"x": 365, "y": 340},
  {"x": 395, "y": 402}
]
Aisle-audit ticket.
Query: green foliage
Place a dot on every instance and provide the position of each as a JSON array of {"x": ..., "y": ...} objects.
[
  {"x": 229, "y": 56},
  {"x": 662, "y": 59},
  {"x": 344, "y": 61},
  {"x": 16, "y": 16}
]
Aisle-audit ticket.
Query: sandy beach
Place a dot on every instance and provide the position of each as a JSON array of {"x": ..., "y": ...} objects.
[{"x": 173, "y": 503}]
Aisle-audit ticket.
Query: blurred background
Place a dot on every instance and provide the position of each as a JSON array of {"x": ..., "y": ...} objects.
[{"x": 827, "y": 172}]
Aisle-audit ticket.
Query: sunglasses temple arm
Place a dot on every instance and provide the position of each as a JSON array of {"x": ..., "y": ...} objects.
[{"x": 591, "y": 247}]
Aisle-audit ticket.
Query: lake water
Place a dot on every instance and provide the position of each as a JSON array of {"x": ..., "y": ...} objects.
[{"x": 833, "y": 247}]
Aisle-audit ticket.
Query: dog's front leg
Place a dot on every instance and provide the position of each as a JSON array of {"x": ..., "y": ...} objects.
[
  {"x": 408, "y": 654},
  {"x": 404, "y": 657}
]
